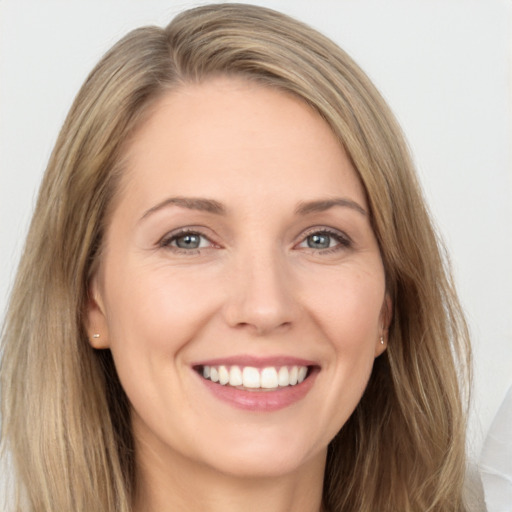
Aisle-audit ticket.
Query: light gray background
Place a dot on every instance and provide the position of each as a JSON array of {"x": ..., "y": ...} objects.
[{"x": 443, "y": 65}]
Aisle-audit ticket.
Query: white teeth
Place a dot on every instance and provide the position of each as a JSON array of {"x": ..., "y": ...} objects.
[
  {"x": 293, "y": 375},
  {"x": 235, "y": 376},
  {"x": 269, "y": 377},
  {"x": 251, "y": 377},
  {"x": 302, "y": 374},
  {"x": 223, "y": 375},
  {"x": 283, "y": 377}
]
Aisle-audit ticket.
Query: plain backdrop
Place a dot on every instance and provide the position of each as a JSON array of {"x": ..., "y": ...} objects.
[{"x": 443, "y": 65}]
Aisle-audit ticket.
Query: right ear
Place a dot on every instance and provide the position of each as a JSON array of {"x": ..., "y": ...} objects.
[{"x": 95, "y": 319}]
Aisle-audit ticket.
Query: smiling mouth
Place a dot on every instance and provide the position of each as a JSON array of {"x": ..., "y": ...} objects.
[{"x": 250, "y": 378}]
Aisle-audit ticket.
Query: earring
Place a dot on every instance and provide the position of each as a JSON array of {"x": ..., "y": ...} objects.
[
  {"x": 95, "y": 336},
  {"x": 382, "y": 340}
]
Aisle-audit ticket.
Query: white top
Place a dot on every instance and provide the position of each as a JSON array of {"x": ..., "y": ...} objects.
[{"x": 496, "y": 460}]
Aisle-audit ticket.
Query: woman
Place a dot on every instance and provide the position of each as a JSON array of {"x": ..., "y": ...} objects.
[{"x": 235, "y": 295}]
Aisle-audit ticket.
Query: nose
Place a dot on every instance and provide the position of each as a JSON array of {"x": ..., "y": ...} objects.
[{"x": 261, "y": 297}]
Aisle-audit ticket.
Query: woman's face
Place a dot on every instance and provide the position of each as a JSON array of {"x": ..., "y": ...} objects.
[{"x": 239, "y": 250}]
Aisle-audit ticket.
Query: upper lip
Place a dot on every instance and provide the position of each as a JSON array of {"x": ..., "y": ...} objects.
[{"x": 257, "y": 361}]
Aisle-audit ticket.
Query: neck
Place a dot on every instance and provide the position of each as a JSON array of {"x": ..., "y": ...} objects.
[{"x": 167, "y": 484}]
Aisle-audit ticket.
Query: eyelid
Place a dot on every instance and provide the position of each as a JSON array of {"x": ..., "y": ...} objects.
[
  {"x": 344, "y": 240},
  {"x": 169, "y": 237}
]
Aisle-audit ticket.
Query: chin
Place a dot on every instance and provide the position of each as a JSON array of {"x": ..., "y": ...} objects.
[
  {"x": 264, "y": 454},
  {"x": 271, "y": 464}
]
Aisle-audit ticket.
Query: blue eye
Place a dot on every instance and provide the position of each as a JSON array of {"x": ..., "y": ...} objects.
[
  {"x": 186, "y": 240},
  {"x": 319, "y": 241},
  {"x": 322, "y": 240},
  {"x": 190, "y": 241}
]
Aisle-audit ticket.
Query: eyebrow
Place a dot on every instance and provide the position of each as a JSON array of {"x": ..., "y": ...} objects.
[
  {"x": 212, "y": 206},
  {"x": 191, "y": 203},
  {"x": 325, "y": 204}
]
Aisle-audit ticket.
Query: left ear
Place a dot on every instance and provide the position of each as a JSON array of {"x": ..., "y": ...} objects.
[
  {"x": 95, "y": 319},
  {"x": 386, "y": 314}
]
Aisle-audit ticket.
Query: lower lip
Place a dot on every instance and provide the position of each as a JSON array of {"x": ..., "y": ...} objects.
[{"x": 261, "y": 400}]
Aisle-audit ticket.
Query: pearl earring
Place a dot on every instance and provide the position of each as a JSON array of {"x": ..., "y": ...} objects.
[
  {"x": 95, "y": 336},
  {"x": 382, "y": 340}
]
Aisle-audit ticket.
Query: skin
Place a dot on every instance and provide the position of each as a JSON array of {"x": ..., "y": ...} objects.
[{"x": 254, "y": 287}]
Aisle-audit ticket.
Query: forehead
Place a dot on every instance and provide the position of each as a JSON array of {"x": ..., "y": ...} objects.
[{"x": 229, "y": 134}]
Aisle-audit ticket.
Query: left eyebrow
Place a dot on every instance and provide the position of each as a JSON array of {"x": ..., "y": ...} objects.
[
  {"x": 190, "y": 203},
  {"x": 322, "y": 205}
]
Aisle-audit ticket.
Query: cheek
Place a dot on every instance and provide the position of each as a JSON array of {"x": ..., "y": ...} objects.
[
  {"x": 348, "y": 313},
  {"x": 349, "y": 309},
  {"x": 155, "y": 310},
  {"x": 153, "y": 314}
]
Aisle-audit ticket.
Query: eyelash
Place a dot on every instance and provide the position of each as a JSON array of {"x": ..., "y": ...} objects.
[
  {"x": 343, "y": 241},
  {"x": 167, "y": 240}
]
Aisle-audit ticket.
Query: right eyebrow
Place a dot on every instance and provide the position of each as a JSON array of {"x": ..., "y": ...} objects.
[
  {"x": 191, "y": 203},
  {"x": 322, "y": 205}
]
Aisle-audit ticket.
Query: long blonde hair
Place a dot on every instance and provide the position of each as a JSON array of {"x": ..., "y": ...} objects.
[{"x": 65, "y": 416}]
